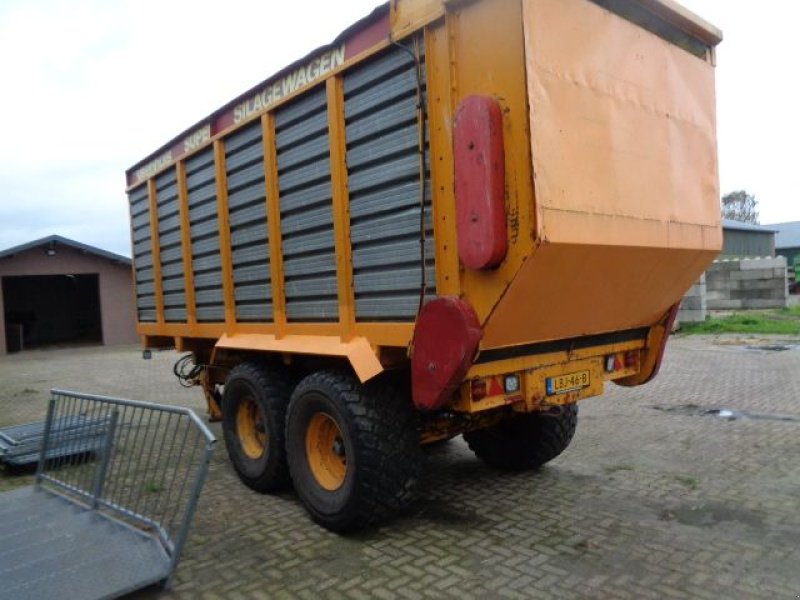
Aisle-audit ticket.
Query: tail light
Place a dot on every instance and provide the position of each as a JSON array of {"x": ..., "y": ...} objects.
[
  {"x": 618, "y": 362},
  {"x": 478, "y": 389}
]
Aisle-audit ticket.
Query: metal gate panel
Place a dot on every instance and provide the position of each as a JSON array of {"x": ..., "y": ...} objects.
[
  {"x": 382, "y": 132},
  {"x": 170, "y": 247},
  {"x": 244, "y": 197},
  {"x": 304, "y": 179},
  {"x": 247, "y": 211},
  {"x": 116, "y": 488},
  {"x": 200, "y": 195},
  {"x": 139, "y": 201},
  {"x": 71, "y": 553},
  {"x": 204, "y": 230}
]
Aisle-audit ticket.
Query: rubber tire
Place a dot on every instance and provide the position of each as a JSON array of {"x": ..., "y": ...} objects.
[
  {"x": 271, "y": 392},
  {"x": 381, "y": 441},
  {"x": 525, "y": 442}
]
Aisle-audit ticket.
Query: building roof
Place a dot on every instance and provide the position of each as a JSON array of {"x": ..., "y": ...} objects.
[
  {"x": 57, "y": 240},
  {"x": 788, "y": 234},
  {"x": 731, "y": 224}
]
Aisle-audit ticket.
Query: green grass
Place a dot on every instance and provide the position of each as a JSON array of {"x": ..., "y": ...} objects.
[
  {"x": 687, "y": 480},
  {"x": 153, "y": 487},
  {"x": 784, "y": 321},
  {"x": 611, "y": 469}
]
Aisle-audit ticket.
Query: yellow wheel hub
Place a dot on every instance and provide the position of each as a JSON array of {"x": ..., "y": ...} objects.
[
  {"x": 326, "y": 452},
  {"x": 251, "y": 428}
]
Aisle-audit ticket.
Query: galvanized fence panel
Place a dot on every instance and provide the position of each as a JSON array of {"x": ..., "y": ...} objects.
[
  {"x": 304, "y": 178},
  {"x": 139, "y": 463},
  {"x": 247, "y": 216},
  {"x": 170, "y": 246},
  {"x": 204, "y": 227},
  {"x": 142, "y": 253},
  {"x": 383, "y": 174}
]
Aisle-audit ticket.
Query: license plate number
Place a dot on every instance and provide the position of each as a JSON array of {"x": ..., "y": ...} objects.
[{"x": 567, "y": 382}]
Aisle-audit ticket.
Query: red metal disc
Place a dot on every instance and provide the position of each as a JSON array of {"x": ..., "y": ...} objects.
[{"x": 446, "y": 338}]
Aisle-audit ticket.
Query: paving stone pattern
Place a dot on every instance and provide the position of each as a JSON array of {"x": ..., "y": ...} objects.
[{"x": 652, "y": 499}]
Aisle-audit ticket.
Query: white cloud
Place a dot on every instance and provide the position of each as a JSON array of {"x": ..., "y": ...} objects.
[
  {"x": 757, "y": 100},
  {"x": 91, "y": 87}
]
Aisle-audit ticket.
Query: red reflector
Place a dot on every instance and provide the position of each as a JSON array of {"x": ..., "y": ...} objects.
[
  {"x": 631, "y": 358},
  {"x": 478, "y": 389},
  {"x": 480, "y": 182},
  {"x": 495, "y": 388}
]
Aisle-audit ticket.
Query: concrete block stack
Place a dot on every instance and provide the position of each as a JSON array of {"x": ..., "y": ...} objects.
[
  {"x": 747, "y": 283},
  {"x": 693, "y": 306}
]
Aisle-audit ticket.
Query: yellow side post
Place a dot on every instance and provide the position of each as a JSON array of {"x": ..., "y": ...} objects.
[
  {"x": 186, "y": 244},
  {"x": 341, "y": 206},
  {"x": 158, "y": 284},
  {"x": 440, "y": 110},
  {"x": 224, "y": 235},
  {"x": 274, "y": 224}
]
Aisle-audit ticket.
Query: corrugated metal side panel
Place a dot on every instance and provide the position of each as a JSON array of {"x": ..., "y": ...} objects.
[
  {"x": 747, "y": 243},
  {"x": 304, "y": 179},
  {"x": 247, "y": 209},
  {"x": 204, "y": 228},
  {"x": 170, "y": 249},
  {"x": 383, "y": 176},
  {"x": 139, "y": 201}
]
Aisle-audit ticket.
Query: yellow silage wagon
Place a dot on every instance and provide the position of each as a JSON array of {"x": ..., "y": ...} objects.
[{"x": 460, "y": 217}]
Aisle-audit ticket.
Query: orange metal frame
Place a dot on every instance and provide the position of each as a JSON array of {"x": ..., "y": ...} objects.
[
  {"x": 457, "y": 65},
  {"x": 359, "y": 342}
]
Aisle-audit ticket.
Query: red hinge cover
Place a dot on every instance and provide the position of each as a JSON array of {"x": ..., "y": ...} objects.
[
  {"x": 446, "y": 338},
  {"x": 480, "y": 182}
]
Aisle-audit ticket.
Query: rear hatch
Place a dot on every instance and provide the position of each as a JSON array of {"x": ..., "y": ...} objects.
[{"x": 623, "y": 140}]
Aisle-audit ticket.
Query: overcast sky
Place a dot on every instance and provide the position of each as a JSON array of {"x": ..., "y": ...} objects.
[{"x": 91, "y": 87}]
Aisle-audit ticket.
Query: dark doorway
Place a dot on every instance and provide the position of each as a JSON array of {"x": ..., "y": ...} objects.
[{"x": 42, "y": 310}]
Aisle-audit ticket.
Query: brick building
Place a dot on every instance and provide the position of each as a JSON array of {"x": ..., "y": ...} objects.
[{"x": 58, "y": 291}]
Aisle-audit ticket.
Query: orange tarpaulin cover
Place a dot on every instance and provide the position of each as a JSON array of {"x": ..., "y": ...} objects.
[
  {"x": 623, "y": 128},
  {"x": 623, "y": 140}
]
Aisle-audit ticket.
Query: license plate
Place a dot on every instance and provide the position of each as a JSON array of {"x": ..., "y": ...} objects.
[{"x": 567, "y": 382}]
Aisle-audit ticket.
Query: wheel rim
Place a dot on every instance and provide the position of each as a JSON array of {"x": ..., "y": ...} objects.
[
  {"x": 251, "y": 428},
  {"x": 325, "y": 451}
]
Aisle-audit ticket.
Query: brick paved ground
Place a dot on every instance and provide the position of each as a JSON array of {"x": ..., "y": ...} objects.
[{"x": 650, "y": 501}]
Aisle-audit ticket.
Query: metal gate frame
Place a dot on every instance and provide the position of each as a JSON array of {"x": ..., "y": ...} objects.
[
  {"x": 116, "y": 488},
  {"x": 138, "y": 436}
]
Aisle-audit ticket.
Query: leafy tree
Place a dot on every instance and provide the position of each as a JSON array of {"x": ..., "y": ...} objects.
[{"x": 740, "y": 206}]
